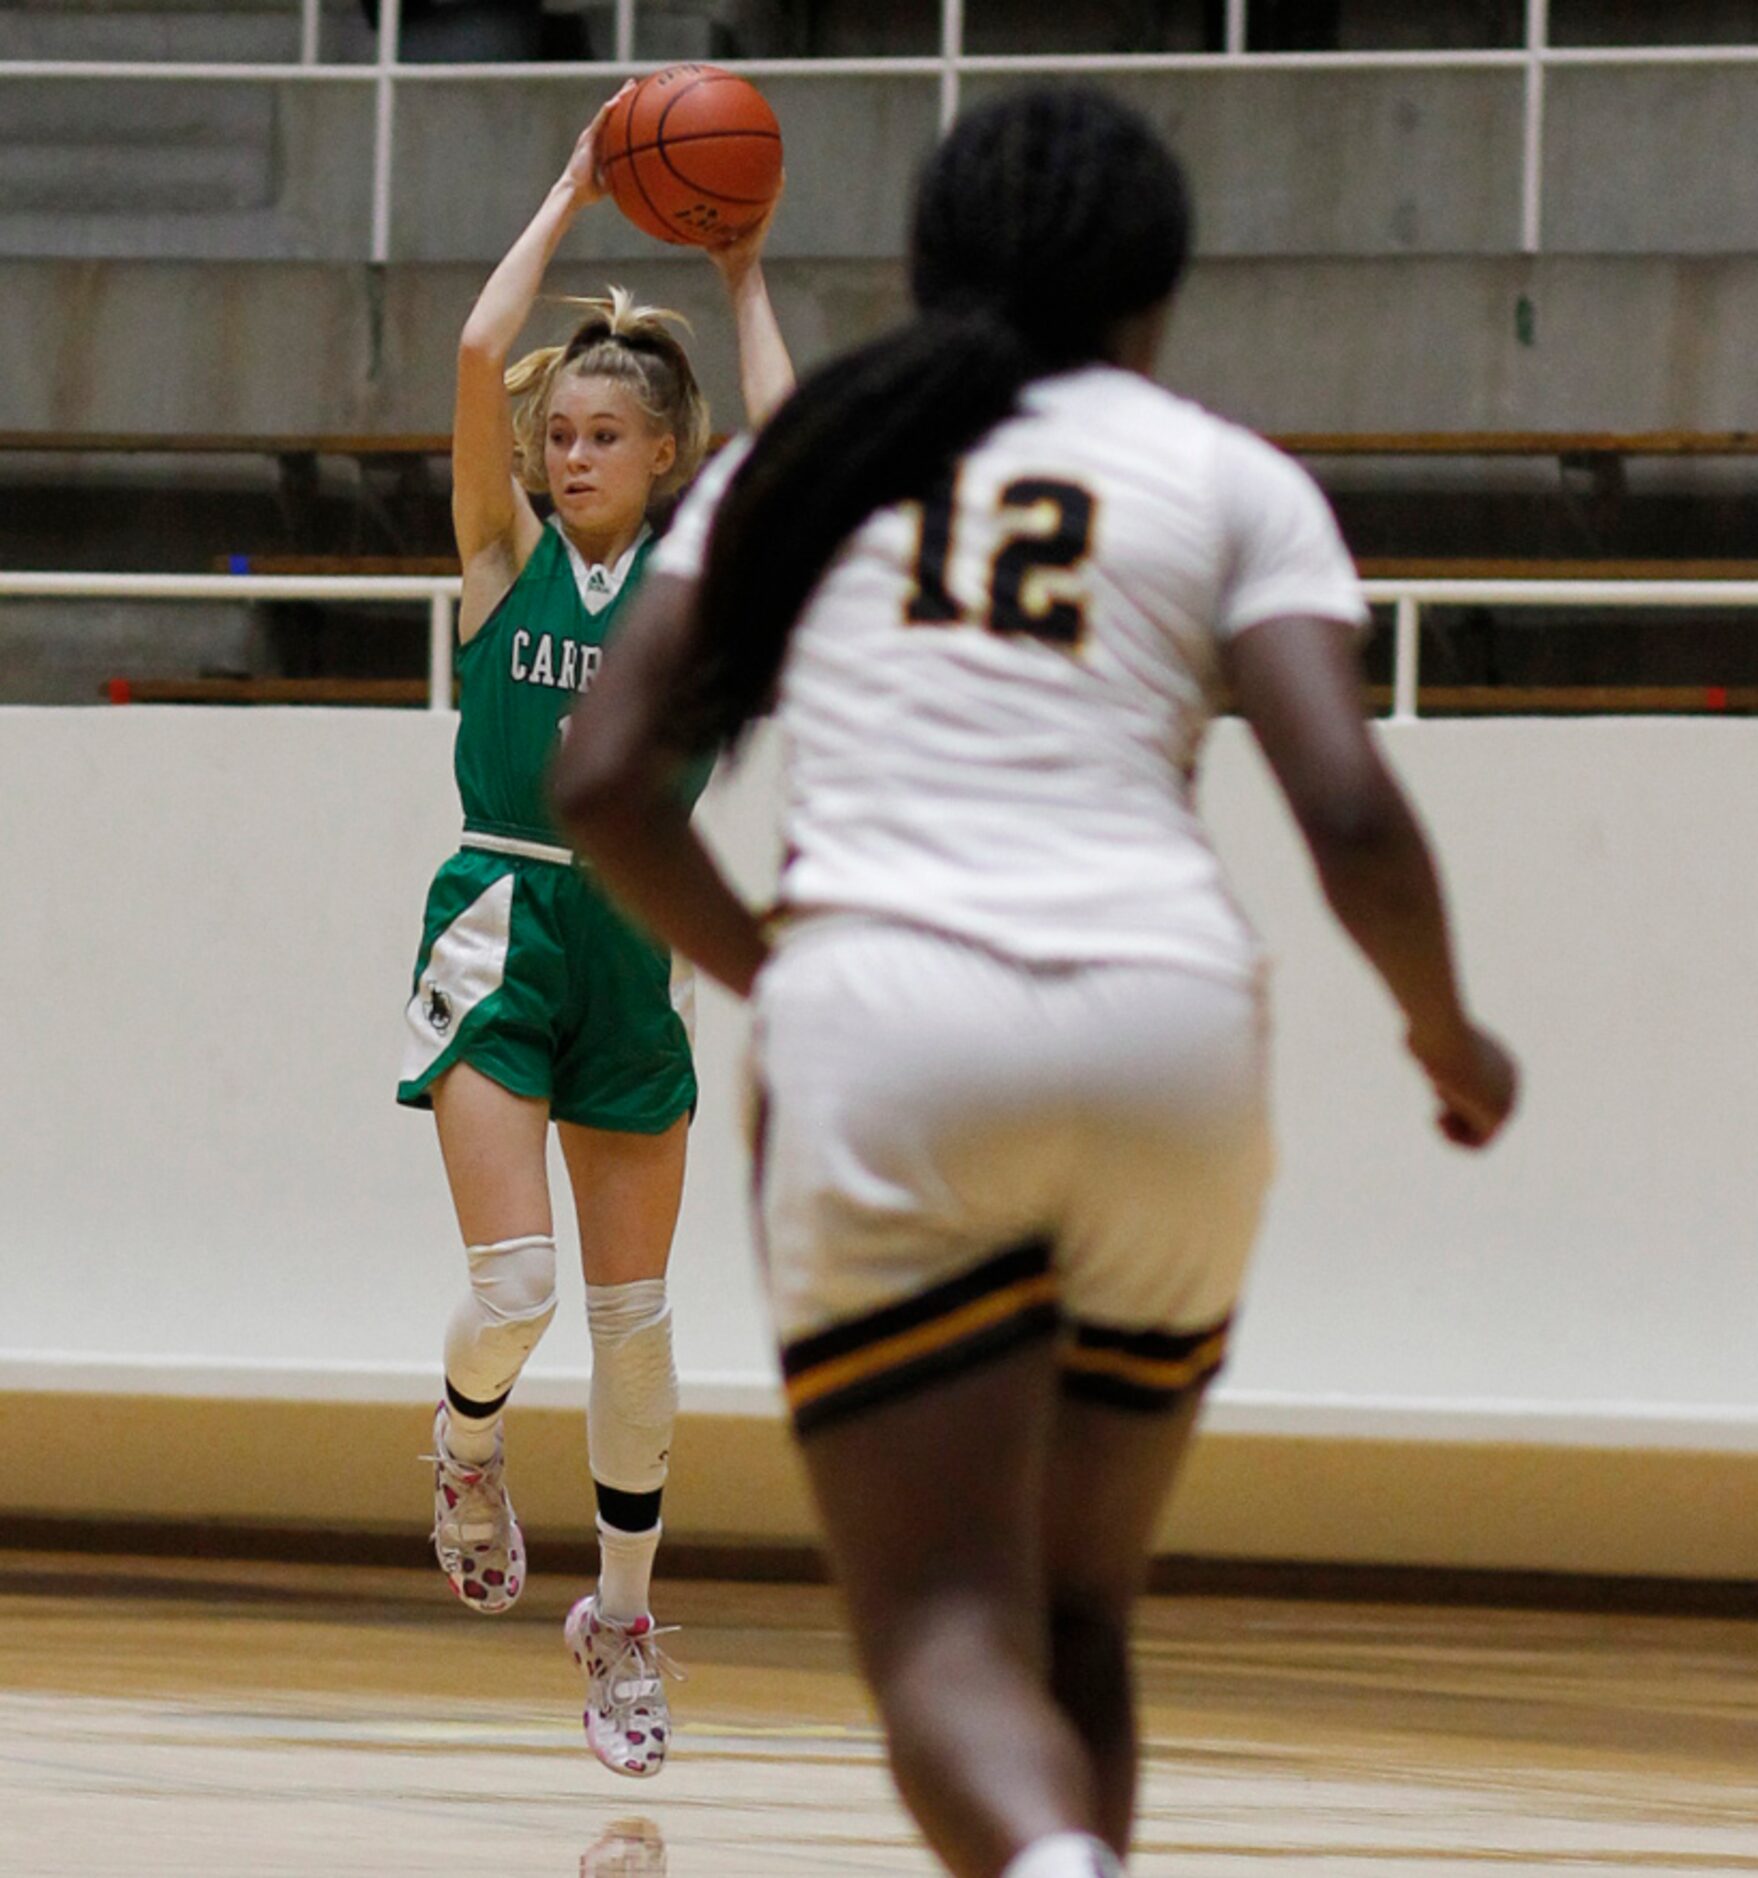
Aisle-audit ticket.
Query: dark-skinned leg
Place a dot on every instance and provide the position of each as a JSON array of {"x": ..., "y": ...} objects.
[
  {"x": 1110, "y": 1472},
  {"x": 933, "y": 1505}
]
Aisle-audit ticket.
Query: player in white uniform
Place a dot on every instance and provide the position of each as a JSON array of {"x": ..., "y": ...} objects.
[{"x": 1011, "y": 1033}]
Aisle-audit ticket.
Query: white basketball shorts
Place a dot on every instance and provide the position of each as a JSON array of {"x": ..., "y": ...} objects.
[{"x": 958, "y": 1153}]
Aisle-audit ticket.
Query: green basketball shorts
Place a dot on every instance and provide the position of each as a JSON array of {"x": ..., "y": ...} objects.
[{"x": 529, "y": 974}]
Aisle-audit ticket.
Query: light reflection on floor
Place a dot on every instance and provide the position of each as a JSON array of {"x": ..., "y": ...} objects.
[{"x": 219, "y": 1720}]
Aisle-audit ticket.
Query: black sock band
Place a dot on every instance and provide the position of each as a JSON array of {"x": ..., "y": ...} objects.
[
  {"x": 476, "y": 1411},
  {"x": 627, "y": 1512}
]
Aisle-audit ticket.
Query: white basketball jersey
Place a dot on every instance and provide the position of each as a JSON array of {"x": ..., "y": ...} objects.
[{"x": 994, "y": 700}]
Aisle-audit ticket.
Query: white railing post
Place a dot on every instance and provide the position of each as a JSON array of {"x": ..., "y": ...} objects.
[
  {"x": 310, "y": 26},
  {"x": 951, "y": 57},
  {"x": 1406, "y": 659},
  {"x": 1532, "y": 138},
  {"x": 624, "y": 47},
  {"x": 439, "y": 652},
  {"x": 390, "y": 26},
  {"x": 1236, "y": 33}
]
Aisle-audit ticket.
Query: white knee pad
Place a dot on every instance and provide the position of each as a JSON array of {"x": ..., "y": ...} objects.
[
  {"x": 492, "y": 1332},
  {"x": 634, "y": 1396}
]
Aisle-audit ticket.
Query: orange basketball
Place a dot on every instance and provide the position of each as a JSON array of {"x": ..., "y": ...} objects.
[{"x": 693, "y": 155}]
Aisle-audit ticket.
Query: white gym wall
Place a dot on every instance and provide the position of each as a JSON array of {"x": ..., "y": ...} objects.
[{"x": 206, "y": 1190}]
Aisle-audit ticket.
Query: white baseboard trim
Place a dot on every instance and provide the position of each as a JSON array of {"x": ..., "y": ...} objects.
[
  {"x": 209, "y": 1378},
  {"x": 1675, "y": 1427},
  {"x": 1671, "y": 1426}
]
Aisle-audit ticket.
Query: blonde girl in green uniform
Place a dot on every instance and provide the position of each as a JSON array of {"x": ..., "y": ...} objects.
[{"x": 534, "y": 1001}]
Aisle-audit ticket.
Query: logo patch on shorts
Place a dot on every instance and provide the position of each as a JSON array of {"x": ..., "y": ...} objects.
[{"x": 438, "y": 1010}]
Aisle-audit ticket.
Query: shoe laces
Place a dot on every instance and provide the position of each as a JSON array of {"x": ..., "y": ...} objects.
[
  {"x": 482, "y": 1497},
  {"x": 650, "y": 1663}
]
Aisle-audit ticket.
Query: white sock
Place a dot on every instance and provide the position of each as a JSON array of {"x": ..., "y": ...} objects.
[
  {"x": 1066, "y": 1855},
  {"x": 468, "y": 1440},
  {"x": 625, "y": 1571}
]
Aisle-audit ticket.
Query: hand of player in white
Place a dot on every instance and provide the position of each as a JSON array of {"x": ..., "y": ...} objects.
[{"x": 1476, "y": 1080}]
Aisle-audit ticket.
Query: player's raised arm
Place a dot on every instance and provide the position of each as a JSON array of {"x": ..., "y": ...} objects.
[
  {"x": 489, "y": 509},
  {"x": 766, "y": 371}
]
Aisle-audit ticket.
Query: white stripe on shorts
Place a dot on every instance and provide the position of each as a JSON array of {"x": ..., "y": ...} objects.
[{"x": 467, "y": 964}]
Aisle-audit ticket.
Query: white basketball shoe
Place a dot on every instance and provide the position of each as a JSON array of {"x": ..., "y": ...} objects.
[
  {"x": 628, "y": 1720},
  {"x": 476, "y": 1538}
]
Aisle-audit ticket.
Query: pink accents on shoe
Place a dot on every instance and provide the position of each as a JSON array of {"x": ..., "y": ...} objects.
[
  {"x": 476, "y": 1535},
  {"x": 627, "y": 1718}
]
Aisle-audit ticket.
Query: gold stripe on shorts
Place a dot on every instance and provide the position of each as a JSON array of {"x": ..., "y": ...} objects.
[
  {"x": 1145, "y": 1370},
  {"x": 940, "y": 1332}
]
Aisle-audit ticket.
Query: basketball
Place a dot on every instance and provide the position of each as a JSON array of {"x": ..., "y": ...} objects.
[{"x": 693, "y": 155}]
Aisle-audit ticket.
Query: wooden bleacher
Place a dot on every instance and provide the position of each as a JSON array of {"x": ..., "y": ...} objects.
[
  {"x": 1575, "y": 700},
  {"x": 1501, "y": 443},
  {"x": 378, "y": 692},
  {"x": 1427, "y": 567},
  {"x": 224, "y": 443},
  {"x": 359, "y": 566},
  {"x": 1461, "y": 443},
  {"x": 1516, "y": 567},
  {"x": 298, "y": 452},
  {"x": 1434, "y": 701}
]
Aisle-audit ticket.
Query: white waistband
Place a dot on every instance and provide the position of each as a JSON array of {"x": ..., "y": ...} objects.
[{"x": 511, "y": 844}]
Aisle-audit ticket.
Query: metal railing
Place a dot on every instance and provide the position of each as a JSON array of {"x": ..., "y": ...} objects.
[
  {"x": 439, "y": 592},
  {"x": 1535, "y": 59},
  {"x": 1407, "y": 598}
]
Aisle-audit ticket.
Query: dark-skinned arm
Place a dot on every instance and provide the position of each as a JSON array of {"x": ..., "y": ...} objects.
[
  {"x": 614, "y": 791},
  {"x": 1297, "y": 683}
]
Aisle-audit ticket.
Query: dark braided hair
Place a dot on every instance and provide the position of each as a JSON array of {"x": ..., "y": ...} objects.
[{"x": 1042, "y": 220}]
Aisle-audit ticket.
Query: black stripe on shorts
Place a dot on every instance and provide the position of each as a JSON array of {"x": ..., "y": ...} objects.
[
  {"x": 1147, "y": 1371},
  {"x": 952, "y": 1327}
]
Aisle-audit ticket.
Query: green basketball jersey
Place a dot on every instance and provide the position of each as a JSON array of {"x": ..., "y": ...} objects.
[{"x": 519, "y": 677}]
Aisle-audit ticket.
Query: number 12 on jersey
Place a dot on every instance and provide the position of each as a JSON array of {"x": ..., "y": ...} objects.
[{"x": 1047, "y": 529}]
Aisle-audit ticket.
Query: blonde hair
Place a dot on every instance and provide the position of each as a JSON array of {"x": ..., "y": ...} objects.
[{"x": 631, "y": 345}]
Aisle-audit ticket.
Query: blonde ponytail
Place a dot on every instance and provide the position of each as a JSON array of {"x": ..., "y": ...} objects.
[{"x": 627, "y": 343}]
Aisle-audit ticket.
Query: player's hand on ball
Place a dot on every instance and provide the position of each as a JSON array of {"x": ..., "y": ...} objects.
[
  {"x": 1476, "y": 1080},
  {"x": 739, "y": 253},
  {"x": 585, "y": 171}
]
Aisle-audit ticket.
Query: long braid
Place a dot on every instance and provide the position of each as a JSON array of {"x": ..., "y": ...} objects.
[{"x": 1042, "y": 220}]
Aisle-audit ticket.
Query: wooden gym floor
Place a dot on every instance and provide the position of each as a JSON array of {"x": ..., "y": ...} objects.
[{"x": 221, "y": 1719}]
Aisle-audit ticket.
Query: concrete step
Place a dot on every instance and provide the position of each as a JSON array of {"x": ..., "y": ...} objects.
[
  {"x": 120, "y": 8},
  {"x": 83, "y": 179},
  {"x": 96, "y": 148},
  {"x": 236, "y": 34},
  {"x": 137, "y": 115}
]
